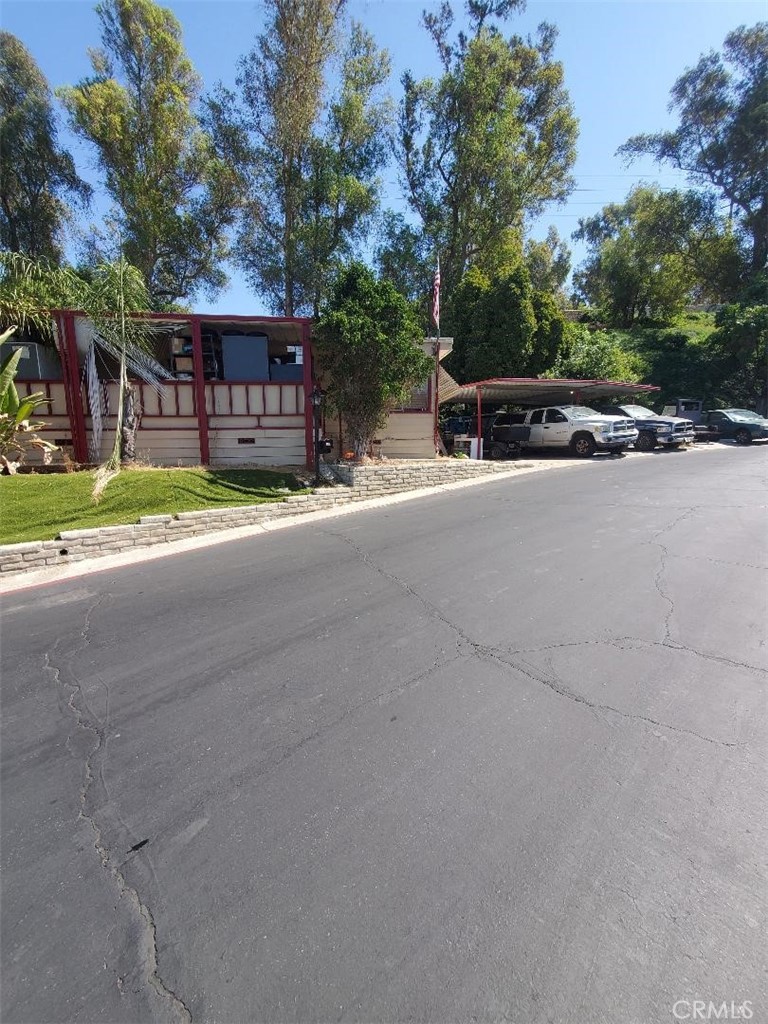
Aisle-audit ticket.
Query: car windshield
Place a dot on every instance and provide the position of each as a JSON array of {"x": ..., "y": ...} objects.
[
  {"x": 579, "y": 412},
  {"x": 743, "y": 414},
  {"x": 638, "y": 412}
]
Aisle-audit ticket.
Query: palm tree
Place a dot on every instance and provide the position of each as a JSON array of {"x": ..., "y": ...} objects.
[{"x": 110, "y": 295}]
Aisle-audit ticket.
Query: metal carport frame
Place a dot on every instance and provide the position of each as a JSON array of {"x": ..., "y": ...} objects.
[{"x": 535, "y": 391}]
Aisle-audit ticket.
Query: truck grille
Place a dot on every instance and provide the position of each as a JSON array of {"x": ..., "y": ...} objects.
[{"x": 685, "y": 427}]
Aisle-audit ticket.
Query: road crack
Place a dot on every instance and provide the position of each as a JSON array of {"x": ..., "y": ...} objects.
[
  {"x": 617, "y": 641},
  {"x": 529, "y": 671},
  {"x": 170, "y": 1007},
  {"x": 554, "y": 683},
  {"x": 662, "y": 570}
]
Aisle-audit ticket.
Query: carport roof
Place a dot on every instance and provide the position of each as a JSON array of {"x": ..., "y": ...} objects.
[{"x": 535, "y": 391}]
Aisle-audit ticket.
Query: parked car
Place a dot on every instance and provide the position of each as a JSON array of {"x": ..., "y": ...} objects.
[
  {"x": 739, "y": 425},
  {"x": 653, "y": 430}
]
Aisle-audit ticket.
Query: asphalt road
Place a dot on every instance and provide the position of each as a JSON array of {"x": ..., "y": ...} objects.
[{"x": 493, "y": 755}]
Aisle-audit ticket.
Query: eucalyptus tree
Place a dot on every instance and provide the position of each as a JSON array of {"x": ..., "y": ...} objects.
[
  {"x": 488, "y": 143},
  {"x": 174, "y": 196},
  {"x": 722, "y": 138},
  {"x": 39, "y": 185},
  {"x": 308, "y": 158}
]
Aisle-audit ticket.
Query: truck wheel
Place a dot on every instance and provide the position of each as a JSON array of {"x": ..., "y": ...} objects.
[
  {"x": 743, "y": 436},
  {"x": 583, "y": 446},
  {"x": 497, "y": 452},
  {"x": 645, "y": 442}
]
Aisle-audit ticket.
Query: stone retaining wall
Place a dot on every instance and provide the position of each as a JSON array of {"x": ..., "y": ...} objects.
[
  {"x": 361, "y": 483},
  {"x": 389, "y": 478}
]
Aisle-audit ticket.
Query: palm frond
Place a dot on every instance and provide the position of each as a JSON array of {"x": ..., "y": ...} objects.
[{"x": 8, "y": 372}]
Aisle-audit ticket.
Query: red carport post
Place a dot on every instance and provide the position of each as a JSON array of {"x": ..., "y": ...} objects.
[
  {"x": 479, "y": 421},
  {"x": 199, "y": 373}
]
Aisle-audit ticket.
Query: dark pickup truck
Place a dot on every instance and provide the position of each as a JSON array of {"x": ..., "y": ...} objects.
[{"x": 653, "y": 430}]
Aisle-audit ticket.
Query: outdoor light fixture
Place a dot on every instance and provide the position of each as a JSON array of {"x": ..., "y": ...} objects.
[{"x": 317, "y": 397}]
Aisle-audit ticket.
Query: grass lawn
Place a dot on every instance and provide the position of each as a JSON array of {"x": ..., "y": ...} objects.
[{"x": 39, "y": 506}]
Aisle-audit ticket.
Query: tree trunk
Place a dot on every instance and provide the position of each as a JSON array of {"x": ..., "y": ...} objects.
[{"x": 132, "y": 413}]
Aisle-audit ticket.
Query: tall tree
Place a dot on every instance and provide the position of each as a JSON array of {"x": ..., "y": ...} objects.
[
  {"x": 174, "y": 196},
  {"x": 308, "y": 163},
  {"x": 722, "y": 138},
  {"x": 655, "y": 252},
  {"x": 38, "y": 180},
  {"x": 488, "y": 143}
]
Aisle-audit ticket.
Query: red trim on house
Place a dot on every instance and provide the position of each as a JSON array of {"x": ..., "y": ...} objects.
[
  {"x": 73, "y": 390},
  {"x": 306, "y": 349},
  {"x": 197, "y": 366},
  {"x": 200, "y": 317},
  {"x": 559, "y": 380},
  {"x": 171, "y": 408}
]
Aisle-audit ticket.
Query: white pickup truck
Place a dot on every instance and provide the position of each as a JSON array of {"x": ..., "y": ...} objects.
[{"x": 582, "y": 430}]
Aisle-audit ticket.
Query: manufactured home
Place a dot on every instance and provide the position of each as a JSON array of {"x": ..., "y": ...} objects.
[{"x": 221, "y": 390}]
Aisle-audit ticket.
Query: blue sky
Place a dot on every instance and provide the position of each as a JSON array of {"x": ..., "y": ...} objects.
[{"x": 620, "y": 58}]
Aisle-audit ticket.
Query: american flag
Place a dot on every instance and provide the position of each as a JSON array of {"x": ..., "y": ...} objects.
[{"x": 436, "y": 299}]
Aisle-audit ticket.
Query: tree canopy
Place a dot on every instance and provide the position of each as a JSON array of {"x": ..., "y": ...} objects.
[
  {"x": 489, "y": 142},
  {"x": 654, "y": 253},
  {"x": 502, "y": 327},
  {"x": 173, "y": 195},
  {"x": 368, "y": 351},
  {"x": 308, "y": 163},
  {"x": 722, "y": 137},
  {"x": 599, "y": 356},
  {"x": 38, "y": 180},
  {"x": 740, "y": 342},
  {"x": 549, "y": 263}
]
